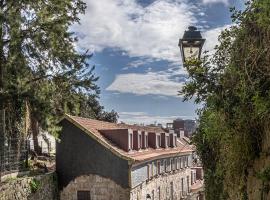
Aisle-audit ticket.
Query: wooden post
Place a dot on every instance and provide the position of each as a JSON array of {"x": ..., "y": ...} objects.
[
  {"x": 2, "y": 140},
  {"x": 27, "y": 147},
  {"x": 2, "y": 114}
]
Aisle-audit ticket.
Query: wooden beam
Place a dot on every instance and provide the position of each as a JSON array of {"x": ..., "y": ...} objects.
[{"x": 2, "y": 139}]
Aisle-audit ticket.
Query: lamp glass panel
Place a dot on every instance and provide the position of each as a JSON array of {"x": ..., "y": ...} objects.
[{"x": 191, "y": 53}]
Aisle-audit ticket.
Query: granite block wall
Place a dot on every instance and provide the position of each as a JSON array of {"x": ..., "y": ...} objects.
[
  {"x": 23, "y": 188},
  {"x": 100, "y": 188}
]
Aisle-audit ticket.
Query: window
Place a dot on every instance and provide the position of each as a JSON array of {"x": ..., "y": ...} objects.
[
  {"x": 191, "y": 178},
  {"x": 187, "y": 162},
  {"x": 188, "y": 184},
  {"x": 83, "y": 195},
  {"x": 165, "y": 166},
  {"x": 158, "y": 167},
  {"x": 159, "y": 141},
  {"x": 148, "y": 172},
  {"x": 171, "y": 191},
  {"x": 140, "y": 142},
  {"x": 158, "y": 193},
  {"x": 153, "y": 194},
  {"x": 130, "y": 141},
  {"x": 168, "y": 141},
  {"x": 146, "y": 141},
  {"x": 182, "y": 186},
  {"x": 168, "y": 166},
  {"x": 153, "y": 169},
  {"x": 172, "y": 165}
]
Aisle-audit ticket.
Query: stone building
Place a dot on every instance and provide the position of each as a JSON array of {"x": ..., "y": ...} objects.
[
  {"x": 105, "y": 161},
  {"x": 181, "y": 126}
]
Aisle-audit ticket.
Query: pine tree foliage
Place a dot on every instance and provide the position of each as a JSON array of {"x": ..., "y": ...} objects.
[
  {"x": 234, "y": 88},
  {"x": 41, "y": 67}
]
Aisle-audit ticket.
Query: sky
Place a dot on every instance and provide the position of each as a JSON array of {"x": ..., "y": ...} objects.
[{"x": 136, "y": 54}]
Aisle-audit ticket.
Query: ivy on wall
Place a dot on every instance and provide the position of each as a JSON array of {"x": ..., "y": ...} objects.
[{"x": 234, "y": 87}]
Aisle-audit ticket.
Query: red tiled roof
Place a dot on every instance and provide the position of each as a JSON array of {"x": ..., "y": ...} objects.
[{"x": 93, "y": 127}]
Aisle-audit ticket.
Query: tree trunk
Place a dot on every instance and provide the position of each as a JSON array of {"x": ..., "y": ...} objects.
[{"x": 35, "y": 133}]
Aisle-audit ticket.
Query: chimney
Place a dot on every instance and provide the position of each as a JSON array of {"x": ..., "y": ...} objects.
[
  {"x": 172, "y": 140},
  {"x": 152, "y": 140},
  {"x": 121, "y": 137},
  {"x": 182, "y": 134},
  {"x": 144, "y": 139},
  {"x": 164, "y": 138},
  {"x": 169, "y": 125},
  {"x": 130, "y": 140},
  {"x": 137, "y": 140}
]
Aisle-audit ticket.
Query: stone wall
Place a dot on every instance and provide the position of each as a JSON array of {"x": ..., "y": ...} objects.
[
  {"x": 22, "y": 188},
  {"x": 255, "y": 187},
  {"x": 166, "y": 186},
  {"x": 100, "y": 188}
]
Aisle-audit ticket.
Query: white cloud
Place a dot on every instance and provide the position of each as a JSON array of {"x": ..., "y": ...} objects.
[
  {"x": 139, "y": 62},
  {"x": 212, "y": 37},
  {"x": 166, "y": 83},
  {"x": 132, "y": 113},
  {"x": 156, "y": 83},
  {"x": 146, "y": 119},
  {"x": 151, "y": 31},
  {"x": 226, "y": 2}
]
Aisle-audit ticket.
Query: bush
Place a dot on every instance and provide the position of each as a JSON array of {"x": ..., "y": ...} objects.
[{"x": 34, "y": 185}]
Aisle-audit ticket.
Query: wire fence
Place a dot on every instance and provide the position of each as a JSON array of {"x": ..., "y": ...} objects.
[{"x": 14, "y": 156}]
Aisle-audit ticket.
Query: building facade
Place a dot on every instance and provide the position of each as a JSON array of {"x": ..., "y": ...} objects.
[
  {"x": 99, "y": 161},
  {"x": 46, "y": 142}
]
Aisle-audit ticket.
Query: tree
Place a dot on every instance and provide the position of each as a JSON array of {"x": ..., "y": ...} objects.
[
  {"x": 91, "y": 108},
  {"x": 44, "y": 75},
  {"x": 233, "y": 86}
]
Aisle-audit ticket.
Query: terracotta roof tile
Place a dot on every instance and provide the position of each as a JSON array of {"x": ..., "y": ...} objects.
[{"x": 93, "y": 127}]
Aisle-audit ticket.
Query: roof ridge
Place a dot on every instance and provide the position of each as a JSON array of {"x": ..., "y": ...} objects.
[
  {"x": 89, "y": 119},
  {"x": 119, "y": 125}
]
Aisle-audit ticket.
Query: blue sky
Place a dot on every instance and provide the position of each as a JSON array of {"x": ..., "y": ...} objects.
[{"x": 136, "y": 54}]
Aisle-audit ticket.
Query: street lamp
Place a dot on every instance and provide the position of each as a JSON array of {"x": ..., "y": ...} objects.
[{"x": 191, "y": 44}]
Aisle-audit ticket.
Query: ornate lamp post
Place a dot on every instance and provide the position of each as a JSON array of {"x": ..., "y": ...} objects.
[{"x": 191, "y": 44}]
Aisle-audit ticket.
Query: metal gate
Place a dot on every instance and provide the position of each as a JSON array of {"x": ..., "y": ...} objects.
[{"x": 14, "y": 156}]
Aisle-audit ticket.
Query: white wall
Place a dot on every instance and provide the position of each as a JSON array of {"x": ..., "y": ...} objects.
[{"x": 43, "y": 144}]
